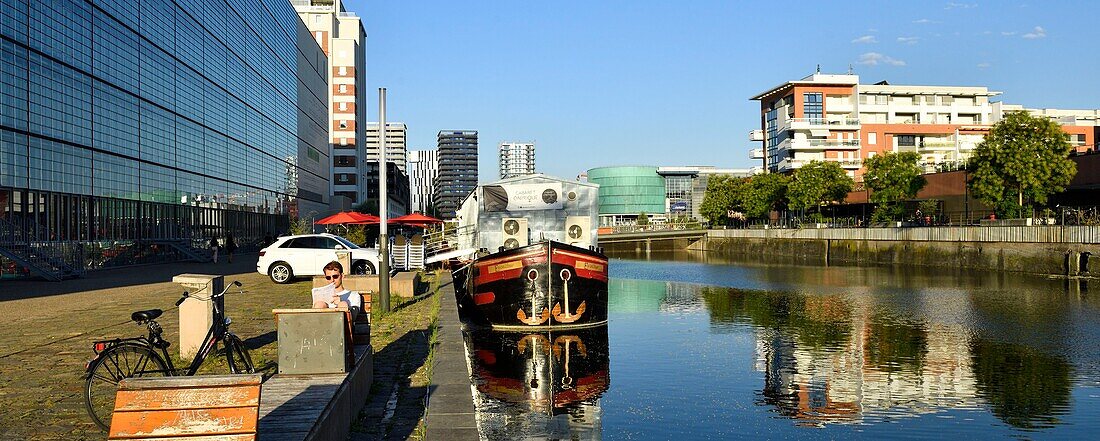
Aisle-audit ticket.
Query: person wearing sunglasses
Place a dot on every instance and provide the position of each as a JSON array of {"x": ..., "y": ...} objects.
[{"x": 334, "y": 272}]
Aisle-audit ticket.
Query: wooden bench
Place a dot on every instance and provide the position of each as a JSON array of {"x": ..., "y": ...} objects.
[{"x": 214, "y": 407}]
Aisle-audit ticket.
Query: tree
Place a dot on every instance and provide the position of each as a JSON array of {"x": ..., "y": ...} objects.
[
  {"x": 643, "y": 219},
  {"x": 764, "y": 193},
  {"x": 1022, "y": 156},
  {"x": 817, "y": 183},
  {"x": 893, "y": 178},
  {"x": 724, "y": 193}
]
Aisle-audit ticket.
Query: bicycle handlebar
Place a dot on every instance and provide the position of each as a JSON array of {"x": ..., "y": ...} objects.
[{"x": 186, "y": 294}]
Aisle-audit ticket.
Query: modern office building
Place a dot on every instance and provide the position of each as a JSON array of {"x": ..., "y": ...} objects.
[
  {"x": 396, "y": 150},
  {"x": 685, "y": 187},
  {"x": 517, "y": 159},
  {"x": 341, "y": 36},
  {"x": 422, "y": 168},
  {"x": 627, "y": 191},
  {"x": 827, "y": 117},
  {"x": 457, "y": 175},
  {"x": 128, "y": 132}
]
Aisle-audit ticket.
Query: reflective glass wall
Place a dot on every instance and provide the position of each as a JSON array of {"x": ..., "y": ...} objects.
[{"x": 131, "y": 122}]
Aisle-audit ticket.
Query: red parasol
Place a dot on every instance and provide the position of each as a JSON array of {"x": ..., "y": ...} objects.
[
  {"x": 415, "y": 219},
  {"x": 349, "y": 217}
]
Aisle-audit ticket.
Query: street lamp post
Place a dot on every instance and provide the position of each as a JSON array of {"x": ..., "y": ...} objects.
[{"x": 383, "y": 213}]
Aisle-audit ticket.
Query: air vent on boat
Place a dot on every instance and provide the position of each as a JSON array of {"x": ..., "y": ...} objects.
[
  {"x": 578, "y": 231},
  {"x": 514, "y": 231}
]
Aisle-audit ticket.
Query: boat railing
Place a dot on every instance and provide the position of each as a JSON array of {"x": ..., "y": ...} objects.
[{"x": 450, "y": 237}]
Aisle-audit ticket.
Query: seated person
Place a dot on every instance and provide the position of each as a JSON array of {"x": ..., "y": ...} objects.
[{"x": 342, "y": 297}]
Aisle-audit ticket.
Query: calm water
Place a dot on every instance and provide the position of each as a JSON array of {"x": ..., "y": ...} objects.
[{"x": 699, "y": 348}]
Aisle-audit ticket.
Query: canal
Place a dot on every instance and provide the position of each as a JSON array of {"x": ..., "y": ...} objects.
[{"x": 700, "y": 347}]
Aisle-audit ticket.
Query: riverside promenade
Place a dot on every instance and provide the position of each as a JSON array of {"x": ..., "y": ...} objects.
[
  {"x": 450, "y": 414},
  {"x": 47, "y": 329}
]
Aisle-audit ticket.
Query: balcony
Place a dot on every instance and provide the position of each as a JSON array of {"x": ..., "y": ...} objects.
[
  {"x": 824, "y": 123},
  {"x": 824, "y": 144},
  {"x": 756, "y": 135},
  {"x": 756, "y": 154}
]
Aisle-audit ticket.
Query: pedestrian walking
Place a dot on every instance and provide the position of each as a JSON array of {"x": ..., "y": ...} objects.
[
  {"x": 230, "y": 246},
  {"x": 214, "y": 248}
]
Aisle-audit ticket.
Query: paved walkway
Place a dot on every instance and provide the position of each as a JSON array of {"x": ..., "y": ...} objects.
[{"x": 450, "y": 413}]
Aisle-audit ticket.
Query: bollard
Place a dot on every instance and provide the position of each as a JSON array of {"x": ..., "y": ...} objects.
[{"x": 196, "y": 316}]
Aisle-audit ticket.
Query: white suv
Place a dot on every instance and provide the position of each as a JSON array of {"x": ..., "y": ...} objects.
[{"x": 306, "y": 255}]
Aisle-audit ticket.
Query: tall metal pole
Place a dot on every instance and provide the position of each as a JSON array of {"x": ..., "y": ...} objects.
[{"x": 383, "y": 213}]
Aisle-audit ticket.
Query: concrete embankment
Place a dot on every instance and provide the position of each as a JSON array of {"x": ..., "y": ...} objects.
[{"x": 1051, "y": 250}]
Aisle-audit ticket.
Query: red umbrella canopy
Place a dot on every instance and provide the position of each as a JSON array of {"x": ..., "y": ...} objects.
[
  {"x": 348, "y": 217},
  {"x": 416, "y": 219}
]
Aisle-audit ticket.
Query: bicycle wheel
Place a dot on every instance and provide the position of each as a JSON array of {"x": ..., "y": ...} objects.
[
  {"x": 236, "y": 353},
  {"x": 114, "y": 364}
]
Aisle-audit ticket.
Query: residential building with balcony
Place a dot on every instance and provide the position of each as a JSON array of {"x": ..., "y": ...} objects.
[
  {"x": 826, "y": 117},
  {"x": 457, "y": 173},
  {"x": 517, "y": 159},
  {"x": 341, "y": 36},
  {"x": 396, "y": 150}
]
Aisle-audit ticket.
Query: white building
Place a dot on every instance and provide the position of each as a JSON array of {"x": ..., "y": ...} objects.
[
  {"x": 341, "y": 36},
  {"x": 517, "y": 159},
  {"x": 396, "y": 150},
  {"x": 422, "y": 167},
  {"x": 835, "y": 118}
]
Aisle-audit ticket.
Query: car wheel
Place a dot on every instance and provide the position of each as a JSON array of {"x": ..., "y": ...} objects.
[
  {"x": 281, "y": 272},
  {"x": 363, "y": 268}
]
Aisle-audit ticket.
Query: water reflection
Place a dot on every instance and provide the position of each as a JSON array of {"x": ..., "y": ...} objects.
[
  {"x": 840, "y": 357},
  {"x": 541, "y": 385}
]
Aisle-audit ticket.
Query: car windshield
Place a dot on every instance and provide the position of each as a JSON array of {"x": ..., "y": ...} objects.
[{"x": 347, "y": 243}]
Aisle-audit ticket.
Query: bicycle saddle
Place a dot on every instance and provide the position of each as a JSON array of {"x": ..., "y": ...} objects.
[{"x": 146, "y": 315}]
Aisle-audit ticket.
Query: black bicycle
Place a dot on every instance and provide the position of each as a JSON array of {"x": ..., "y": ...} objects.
[{"x": 148, "y": 356}]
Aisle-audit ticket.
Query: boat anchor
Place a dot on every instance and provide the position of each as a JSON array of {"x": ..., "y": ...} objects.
[{"x": 567, "y": 317}]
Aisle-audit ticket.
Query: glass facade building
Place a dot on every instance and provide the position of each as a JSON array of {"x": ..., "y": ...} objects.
[
  {"x": 627, "y": 191},
  {"x": 126, "y": 124}
]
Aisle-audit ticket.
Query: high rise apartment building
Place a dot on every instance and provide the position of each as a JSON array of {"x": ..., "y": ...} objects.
[
  {"x": 422, "y": 168},
  {"x": 457, "y": 175},
  {"x": 341, "y": 36},
  {"x": 835, "y": 118},
  {"x": 517, "y": 159},
  {"x": 127, "y": 130},
  {"x": 396, "y": 150}
]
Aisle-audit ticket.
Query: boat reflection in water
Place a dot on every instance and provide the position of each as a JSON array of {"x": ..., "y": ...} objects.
[{"x": 539, "y": 385}]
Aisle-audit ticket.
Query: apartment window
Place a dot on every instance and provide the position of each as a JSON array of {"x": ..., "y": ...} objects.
[
  {"x": 930, "y": 99},
  {"x": 343, "y": 106},
  {"x": 319, "y": 36},
  {"x": 343, "y": 124},
  {"x": 343, "y": 70},
  {"x": 880, "y": 99},
  {"x": 317, "y": 19},
  {"x": 343, "y": 88},
  {"x": 907, "y": 141},
  {"x": 812, "y": 108},
  {"x": 872, "y": 138},
  {"x": 947, "y": 99}
]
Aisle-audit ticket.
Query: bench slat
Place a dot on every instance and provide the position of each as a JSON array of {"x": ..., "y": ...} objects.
[
  {"x": 164, "y": 423},
  {"x": 143, "y": 383},
  {"x": 189, "y": 398}
]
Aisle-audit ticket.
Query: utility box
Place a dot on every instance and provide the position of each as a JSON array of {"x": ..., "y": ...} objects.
[
  {"x": 312, "y": 341},
  {"x": 196, "y": 316}
]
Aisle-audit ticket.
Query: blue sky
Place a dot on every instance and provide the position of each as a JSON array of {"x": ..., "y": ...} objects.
[{"x": 667, "y": 83}]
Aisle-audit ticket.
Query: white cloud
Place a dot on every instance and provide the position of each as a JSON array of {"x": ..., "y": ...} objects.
[
  {"x": 908, "y": 40},
  {"x": 1038, "y": 32},
  {"x": 983, "y": 65},
  {"x": 1008, "y": 34},
  {"x": 987, "y": 33},
  {"x": 953, "y": 5},
  {"x": 866, "y": 39},
  {"x": 875, "y": 58},
  {"x": 923, "y": 21}
]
